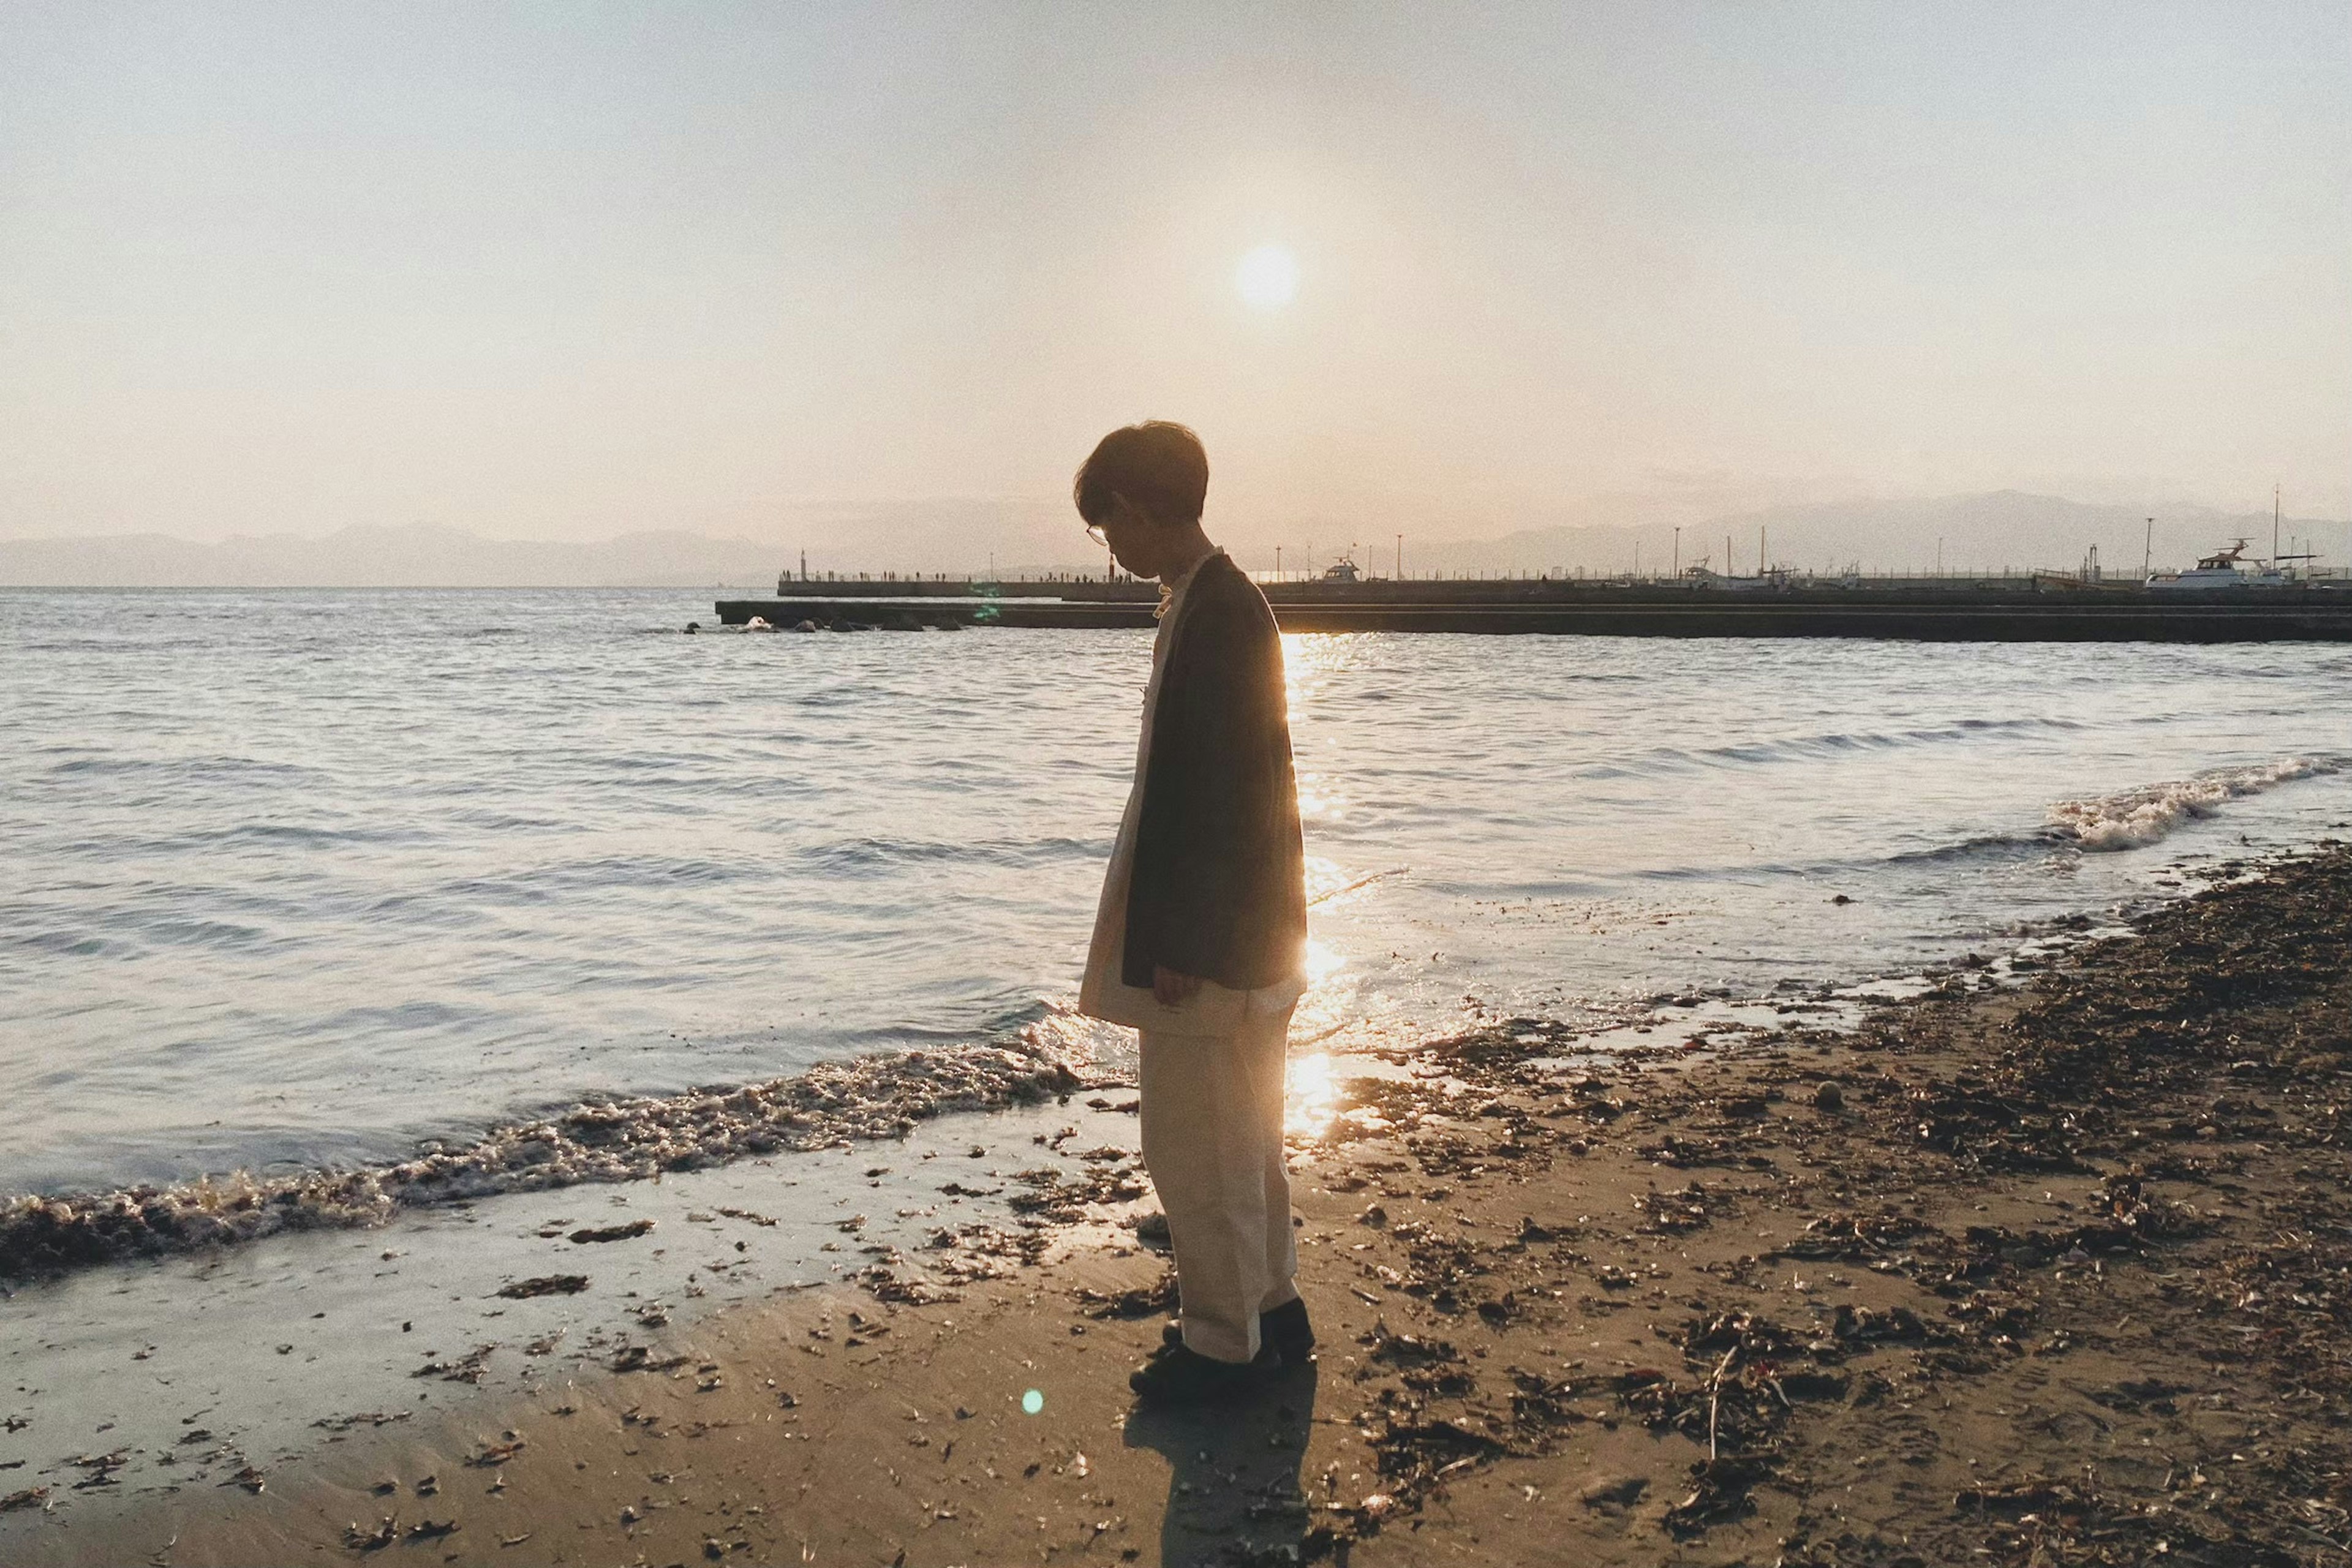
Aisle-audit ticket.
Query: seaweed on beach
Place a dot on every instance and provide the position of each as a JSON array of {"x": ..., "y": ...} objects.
[
  {"x": 1157, "y": 1299},
  {"x": 2203, "y": 1043}
]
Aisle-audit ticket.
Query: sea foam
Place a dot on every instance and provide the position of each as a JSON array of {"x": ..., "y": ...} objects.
[
  {"x": 613, "y": 1141},
  {"x": 2138, "y": 817}
]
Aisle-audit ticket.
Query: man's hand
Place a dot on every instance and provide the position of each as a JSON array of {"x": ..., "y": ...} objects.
[{"x": 1170, "y": 989}]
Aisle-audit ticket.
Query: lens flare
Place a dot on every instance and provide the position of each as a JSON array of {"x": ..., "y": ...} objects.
[{"x": 1032, "y": 1403}]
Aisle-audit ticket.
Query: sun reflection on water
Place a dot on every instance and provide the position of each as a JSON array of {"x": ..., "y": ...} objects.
[
  {"x": 1311, "y": 1092},
  {"x": 1307, "y": 658},
  {"x": 1323, "y": 1008},
  {"x": 1310, "y": 653},
  {"x": 1310, "y": 1097},
  {"x": 1311, "y": 1100},
  {"x": 1317, "y": 800}
]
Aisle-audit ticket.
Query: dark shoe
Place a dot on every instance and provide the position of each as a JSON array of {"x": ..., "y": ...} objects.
[
  {"x": 1285, "y": 1328},
  {"x": 1185, "y": 1376}
]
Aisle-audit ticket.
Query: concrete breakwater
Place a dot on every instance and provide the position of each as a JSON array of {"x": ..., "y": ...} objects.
[{"x": 1961, "y": 613}]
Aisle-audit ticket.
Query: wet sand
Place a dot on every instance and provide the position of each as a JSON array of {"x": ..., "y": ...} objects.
[{"x": 2055, "y": 1274}]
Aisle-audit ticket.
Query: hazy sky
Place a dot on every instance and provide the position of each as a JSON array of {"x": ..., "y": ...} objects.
[{"x": 565, "y": 271}]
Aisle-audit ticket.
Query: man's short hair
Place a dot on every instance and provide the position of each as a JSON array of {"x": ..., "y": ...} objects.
[{"x": 1159, "y": 465}]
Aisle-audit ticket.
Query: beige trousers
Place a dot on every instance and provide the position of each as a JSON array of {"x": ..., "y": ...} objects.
[{"x": 1212, "y": 1118}]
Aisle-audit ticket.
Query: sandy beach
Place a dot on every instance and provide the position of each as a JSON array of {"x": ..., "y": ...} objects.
[{"x": 2050, "y": 1272}]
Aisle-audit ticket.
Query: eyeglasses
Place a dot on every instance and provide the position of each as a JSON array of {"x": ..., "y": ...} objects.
[{"x": 1094, "y": 532}]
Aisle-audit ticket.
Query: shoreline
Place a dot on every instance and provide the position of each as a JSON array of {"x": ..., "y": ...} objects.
[
  {"x": 2047, "y": 1274},
  {"x": 618, "y": 1139}
]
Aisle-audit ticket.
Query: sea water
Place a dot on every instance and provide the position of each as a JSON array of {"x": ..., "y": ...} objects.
[{"x": 292, "y": 879}]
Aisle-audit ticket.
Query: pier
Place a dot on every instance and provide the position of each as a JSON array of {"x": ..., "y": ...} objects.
[{"x": 2027, "y": 610}]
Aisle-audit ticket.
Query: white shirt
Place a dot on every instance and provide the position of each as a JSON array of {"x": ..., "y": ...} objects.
[{"x": 1214, "y": 1009}]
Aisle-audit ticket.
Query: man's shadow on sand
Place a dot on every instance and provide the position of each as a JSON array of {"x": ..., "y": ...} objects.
[{"x": 1234, "y": 1473}]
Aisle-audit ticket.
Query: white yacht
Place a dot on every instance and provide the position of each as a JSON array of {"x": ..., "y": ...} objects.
[{"x": 2222, "y": 569}]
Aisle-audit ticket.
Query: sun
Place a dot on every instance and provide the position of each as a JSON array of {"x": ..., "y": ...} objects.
[{"x": 1267, "y": 278}]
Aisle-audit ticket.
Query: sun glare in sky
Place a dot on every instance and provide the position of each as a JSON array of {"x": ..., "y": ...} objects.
[{"x": 1267, "y": 278}]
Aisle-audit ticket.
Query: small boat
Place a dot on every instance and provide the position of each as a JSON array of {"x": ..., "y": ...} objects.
[{"x": 2222, "y": 569}]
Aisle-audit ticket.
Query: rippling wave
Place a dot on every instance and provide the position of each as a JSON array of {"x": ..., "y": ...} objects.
[
  {"x": 2135, "y": 818},
  {"x": 610, "y": 1141}
]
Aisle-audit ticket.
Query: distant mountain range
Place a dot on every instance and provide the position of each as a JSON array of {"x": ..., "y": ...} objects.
[
  {"x": 2004, "y": 529},
  {"x": 385, "y": 558},
  {"x": 1977, "y": 532}
]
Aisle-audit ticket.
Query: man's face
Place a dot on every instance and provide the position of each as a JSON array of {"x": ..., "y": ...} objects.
[{"x": 1134, "y": 539}]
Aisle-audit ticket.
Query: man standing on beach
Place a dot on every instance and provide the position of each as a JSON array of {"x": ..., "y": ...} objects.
[{"x": 1199, "y": 942}]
